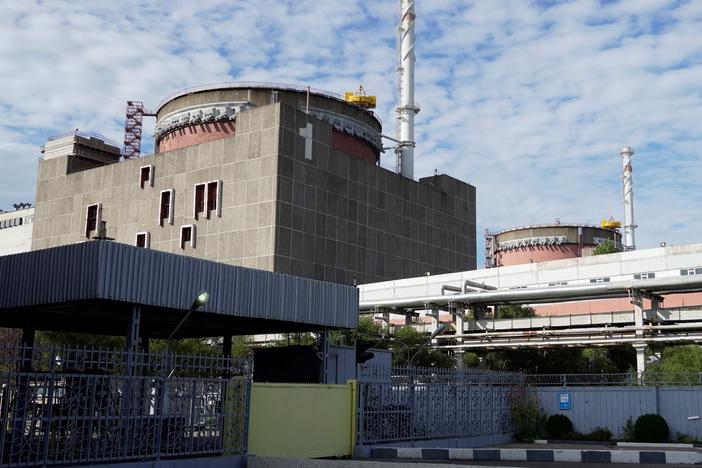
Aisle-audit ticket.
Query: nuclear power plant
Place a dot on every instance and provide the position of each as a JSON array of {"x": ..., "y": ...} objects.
[{"x": 267, "y": 176}]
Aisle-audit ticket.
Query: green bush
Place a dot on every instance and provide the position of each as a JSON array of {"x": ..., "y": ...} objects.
[
  {"x": 683, "y": 438},
  {"x": 651, "y": 428},
  {"x": 558, "y": 426},
  {"x": 599, "y": 434},
  {"x": 628, "y": 434},
  {"x": 527, "y": 420}
]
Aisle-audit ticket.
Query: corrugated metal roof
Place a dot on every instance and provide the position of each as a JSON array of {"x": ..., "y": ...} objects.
[{"x": 108, "y": 271}]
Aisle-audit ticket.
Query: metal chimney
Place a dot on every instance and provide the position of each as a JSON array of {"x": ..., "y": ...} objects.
[
  {"x": 405, "y": 78},
  {"x": 628, "y": 186}
]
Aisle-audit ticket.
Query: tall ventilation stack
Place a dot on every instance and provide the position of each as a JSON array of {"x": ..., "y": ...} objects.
[
  {"x": 405, "y": 78},
  {"x": 628, "y": 186}
]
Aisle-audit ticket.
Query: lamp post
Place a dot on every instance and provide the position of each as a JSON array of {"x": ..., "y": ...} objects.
[
  {"x": 439, "y": 330},
  {"x": 200, "y": 300}
]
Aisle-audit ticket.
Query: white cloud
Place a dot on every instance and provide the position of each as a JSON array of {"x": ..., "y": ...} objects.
[{"x": 529, "y": 103}]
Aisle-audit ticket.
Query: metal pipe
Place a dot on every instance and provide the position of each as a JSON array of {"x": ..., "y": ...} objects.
[
  {"x": 628, "y": 189},
  {"x": 546, "y": 295},
  {"x": 407, "y": 108},
  {"x": 576, "y": 343},
  {"x": 571, "y": 331},
  {"x": 475, "y": 284}
]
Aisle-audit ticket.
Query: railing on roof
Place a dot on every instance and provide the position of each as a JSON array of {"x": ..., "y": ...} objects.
[
  {"x": 86, "y": 135},
  {"x": 255, "y": 84}
]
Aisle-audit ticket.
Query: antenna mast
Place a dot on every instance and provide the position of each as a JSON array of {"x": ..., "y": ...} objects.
[
  {"x": 407, "y": 108},
  {"x": 628, "y": 188}
]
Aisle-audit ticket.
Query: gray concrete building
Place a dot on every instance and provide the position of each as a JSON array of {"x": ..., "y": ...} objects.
[{"x": 247, "y": 177}]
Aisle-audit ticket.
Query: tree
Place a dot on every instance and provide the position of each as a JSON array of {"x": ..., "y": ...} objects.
[
  {"x": 426, "y": 357},
  {"x": 604, "y": 247},
  {"x": 549, "y": 361},
  {"x": 512, "y": 311},
  {"x": 678, "y": 364},
  {"x": 10, "y": 336}
]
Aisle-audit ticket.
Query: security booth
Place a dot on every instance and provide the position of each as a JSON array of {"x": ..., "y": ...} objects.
[{"x": 69, "y": 404}]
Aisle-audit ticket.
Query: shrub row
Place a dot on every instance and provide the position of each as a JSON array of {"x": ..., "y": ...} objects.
[{"x": 648, "y": 428}]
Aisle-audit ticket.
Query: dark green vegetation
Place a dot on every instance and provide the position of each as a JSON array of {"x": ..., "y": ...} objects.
[
  {"x": 527, "y": 420},
  {"x": 555, "y": 360},
  {"x": 558, "y": 426},
  {"x": 603, "y": 248},
  {"x": 651, "y": 428},
  {"x": 677, "y": 365},
  {"x": 404, "y": 343}
]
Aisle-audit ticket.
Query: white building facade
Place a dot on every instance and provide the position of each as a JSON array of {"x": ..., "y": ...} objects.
[{"x": 16, "y": 230}]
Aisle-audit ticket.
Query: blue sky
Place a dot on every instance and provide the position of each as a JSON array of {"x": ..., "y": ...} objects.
[{"x": 528, "y": 101}]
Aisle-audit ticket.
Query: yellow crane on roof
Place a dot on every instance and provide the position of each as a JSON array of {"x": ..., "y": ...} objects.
[
  {"x": 610, "y": 224},
  {"x": 360, "y": 99}
]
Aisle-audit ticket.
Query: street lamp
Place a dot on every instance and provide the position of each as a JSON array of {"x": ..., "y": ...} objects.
[
  {"x": 200, "y": 300},
  {"x": 439, "y": 330}
]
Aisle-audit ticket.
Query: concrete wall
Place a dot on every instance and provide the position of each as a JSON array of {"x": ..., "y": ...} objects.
[
  {"x": 302, "y": 421},
  {"x": 246, "y": 164},
  {"x": 611, "y": 406},
  {"x": 332, "y": 217},
  {"x": 338, "y": 216}
]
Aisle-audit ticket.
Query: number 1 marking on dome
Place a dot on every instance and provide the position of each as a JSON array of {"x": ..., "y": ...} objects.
[{"x": 306, "y": 132}]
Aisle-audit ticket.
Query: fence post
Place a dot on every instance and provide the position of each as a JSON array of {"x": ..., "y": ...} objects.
[
  {"x": 353, "y": 384},
  {"x": 6, "y": 392},
  {"x": 361, "y": 410},
  {"x": 50, "y": 404}
]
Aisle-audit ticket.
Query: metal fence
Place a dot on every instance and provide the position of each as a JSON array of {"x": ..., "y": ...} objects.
[
  {"x": 611, "y": 406},
  {"x": 411, "y": 404},
  {"x": 631, "y": 378},
  {"x": 76, "y": 405},
  {"x": 370, "y": 373}
]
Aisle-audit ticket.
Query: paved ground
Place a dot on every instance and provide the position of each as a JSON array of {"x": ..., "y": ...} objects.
[
  {"x": 444, "y": 463},
  {"x": 603, "y": 446},
  {"x": 256, "y": 462}
]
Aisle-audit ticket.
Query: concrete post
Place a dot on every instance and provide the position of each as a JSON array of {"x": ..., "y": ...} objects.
[
  {"x": 434, "y": 315},
  {"x": 637, "y": 301},
  {"x": 133, "y": 327},
  {"x": 408, "y": 319},
  {"x": 458, "y": 319},
  {"x": 459, "y": 359},
  {"x": 640, "y": 359},
  {"x": 325, "y": 339},
  {"x": 639, "y": 346}
]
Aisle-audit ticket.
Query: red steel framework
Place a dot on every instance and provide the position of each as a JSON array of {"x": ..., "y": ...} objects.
[{"x": 132, "y": 128}]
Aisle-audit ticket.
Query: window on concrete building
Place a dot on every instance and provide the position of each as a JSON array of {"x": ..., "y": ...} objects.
[
  {"x": 166, "y": 207},
  {"x": 649, "y": 275},
  {"x": 213, "y": 198},
  {"x": 92, "y": 218},
  {"x": 691, "y": 271},
  {"x": 142, "y": 240},
  {"x": 599, "y": 280},
  {"x": 558, "y": 283},
  {"x": 146, "y": 176},
  {"x": 207, "y": 199},
  {"x": 187, "y": 236},
  {"x": 199, "y": 204}
]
